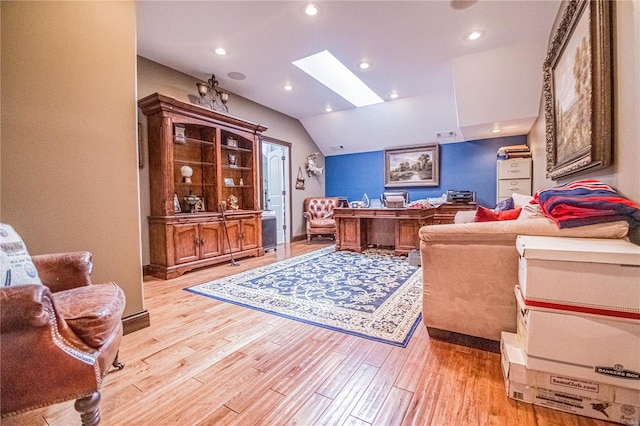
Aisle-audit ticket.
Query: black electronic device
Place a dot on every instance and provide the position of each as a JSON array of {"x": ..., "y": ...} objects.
[{"x": 455, "y": 196}]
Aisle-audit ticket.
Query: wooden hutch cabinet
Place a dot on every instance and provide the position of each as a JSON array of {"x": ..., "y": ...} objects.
[{"x": 196, "y": 152}]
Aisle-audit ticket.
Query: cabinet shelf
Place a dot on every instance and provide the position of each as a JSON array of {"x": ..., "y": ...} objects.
[
  {"x": 234, "y": 148},
  {"x": 239, "y": 186},
  {"x": 237, "y": 168},
  {"x": 194, "y": 140},
  {"x": 198, "y": 163},
  {"x": 194, "y": 184}
]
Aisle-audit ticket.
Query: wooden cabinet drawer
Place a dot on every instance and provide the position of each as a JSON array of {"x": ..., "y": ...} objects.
[
  {"x": 506, "y": 187},
  {"x": 514, "y": 169}
]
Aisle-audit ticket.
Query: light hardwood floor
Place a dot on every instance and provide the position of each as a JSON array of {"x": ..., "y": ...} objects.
[{"x": 204, "y": 362}]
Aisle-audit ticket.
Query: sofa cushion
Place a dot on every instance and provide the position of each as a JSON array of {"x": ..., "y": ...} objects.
[
  {"x": 92, "y": 312},
  {"x": 322, "y": 223},
  {"x": 484, "y": 214},
  {"x": 506, "y": 231},
  {"x": 15, "y": 262}
]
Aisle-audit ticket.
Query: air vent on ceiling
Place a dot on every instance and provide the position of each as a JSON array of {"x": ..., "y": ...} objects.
[
  {"x": 336, "y": 147},
  {"x": 446, "y": 134}
]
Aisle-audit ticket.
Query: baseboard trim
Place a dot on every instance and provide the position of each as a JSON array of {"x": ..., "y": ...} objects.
[
  {"x": 299, "y": 238},
  {"x": 146, "y": 270},
  {"x": 136, "y": 322},
  {"x": 464, "y": 340}
]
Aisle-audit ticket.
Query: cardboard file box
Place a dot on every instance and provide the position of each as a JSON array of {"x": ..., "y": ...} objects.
[
  {"x": 586, "y": 398},
  {"x": 594, "y": 348},
  {"x": 587, "y": 276}
]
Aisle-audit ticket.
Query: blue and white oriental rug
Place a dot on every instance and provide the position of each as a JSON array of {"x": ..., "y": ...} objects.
[{"x": 374, "y": 295}]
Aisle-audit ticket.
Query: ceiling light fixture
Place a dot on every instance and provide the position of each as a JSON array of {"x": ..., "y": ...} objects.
[
  {"x": 364, "y": 65},
  {"x": 328, "y": 109},
  {"x": 496, "y": 131},
  {"x": 394, "y": 95},
  {"x": 287, "y": 87},
  {"x": 209, "y": 95},
  {"x": 474, "y": 35},
  {"x": 329, "y": 71},
  {"x": 220, "y": 51},
  {"x": 311, "y": 10}
]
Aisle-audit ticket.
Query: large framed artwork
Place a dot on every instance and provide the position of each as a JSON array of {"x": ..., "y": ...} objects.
[
  {"x": 578, "y": 90},
  {"x": 412, "y": 166}
]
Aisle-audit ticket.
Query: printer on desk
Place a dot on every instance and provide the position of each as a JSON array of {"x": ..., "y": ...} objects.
[{"x": 454, "y": 196}]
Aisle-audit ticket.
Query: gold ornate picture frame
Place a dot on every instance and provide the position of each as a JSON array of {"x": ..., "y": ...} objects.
[{"x": 578, "y": 90}]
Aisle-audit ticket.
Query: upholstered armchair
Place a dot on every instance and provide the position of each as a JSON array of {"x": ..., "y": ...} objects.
[
  {"x": 60, "y": 338},
  {"x": 319, "y": 214}
]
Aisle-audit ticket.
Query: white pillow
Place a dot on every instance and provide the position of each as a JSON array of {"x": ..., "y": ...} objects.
[
  {"x": 530, "y": 211},
  {"x": 16, "y": 266},
  {"x": 520, "y": 200}
]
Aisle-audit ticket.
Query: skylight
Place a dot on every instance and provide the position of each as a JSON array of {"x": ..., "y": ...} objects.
[{"x": 329, "y": 71}]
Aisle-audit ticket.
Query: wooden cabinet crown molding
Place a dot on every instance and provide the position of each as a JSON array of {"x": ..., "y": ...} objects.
[{"x": 158, "y": 102}]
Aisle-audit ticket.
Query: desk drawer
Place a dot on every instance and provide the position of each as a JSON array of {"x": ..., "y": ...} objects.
[{"x": 506, "y": 187}]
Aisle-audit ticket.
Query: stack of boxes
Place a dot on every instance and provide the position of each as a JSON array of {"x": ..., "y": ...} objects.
[
  {"x": 577, "y": 347},
  {"x": 513, "y": 151}
]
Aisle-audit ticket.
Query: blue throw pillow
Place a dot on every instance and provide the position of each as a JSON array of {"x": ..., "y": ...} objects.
[{"x": 506, "y": 204}]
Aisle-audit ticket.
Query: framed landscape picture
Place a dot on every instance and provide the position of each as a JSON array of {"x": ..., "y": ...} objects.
[
  {"x": 412, "y": 166},
  {"x": 578, "y": 90}
]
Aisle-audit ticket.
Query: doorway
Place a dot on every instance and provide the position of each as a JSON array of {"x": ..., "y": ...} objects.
[{"x": 276, "y": 185}]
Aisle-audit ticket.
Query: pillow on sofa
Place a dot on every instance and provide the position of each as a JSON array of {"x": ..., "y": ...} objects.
[
  {"x": 15, "y": 262},
  {"x": 520, "y": 200},
  {"x": 484, "y": 214},
  {"x": 506, "y": 204}
]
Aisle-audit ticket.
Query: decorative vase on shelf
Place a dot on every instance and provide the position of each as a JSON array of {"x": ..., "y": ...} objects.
[{"x": 186, "y": 173}]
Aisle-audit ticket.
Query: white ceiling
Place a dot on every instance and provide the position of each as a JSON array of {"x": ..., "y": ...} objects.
[{"x": 410, "y": 44}]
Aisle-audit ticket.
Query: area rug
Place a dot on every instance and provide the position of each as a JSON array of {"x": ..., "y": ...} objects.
[{"x": 374, "y": 295}]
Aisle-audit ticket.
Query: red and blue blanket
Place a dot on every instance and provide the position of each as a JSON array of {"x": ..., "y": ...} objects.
[{"x": 585, "y": 202}]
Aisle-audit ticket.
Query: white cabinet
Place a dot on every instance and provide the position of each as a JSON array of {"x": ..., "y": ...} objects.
[{"x": 514, "y": 175}]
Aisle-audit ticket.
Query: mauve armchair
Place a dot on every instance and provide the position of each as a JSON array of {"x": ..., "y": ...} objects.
[{"x": 59, "y": 340}]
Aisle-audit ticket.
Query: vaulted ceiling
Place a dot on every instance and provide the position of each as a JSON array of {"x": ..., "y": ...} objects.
[{"x": 412, "y": 46}]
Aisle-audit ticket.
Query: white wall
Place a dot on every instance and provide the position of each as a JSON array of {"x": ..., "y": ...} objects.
[
  {"x": 624, "y": 174},
  {"x": 498, "y": 88},
  {"x": 69, "y": 151},
  {"x": 153, "y": 77}
]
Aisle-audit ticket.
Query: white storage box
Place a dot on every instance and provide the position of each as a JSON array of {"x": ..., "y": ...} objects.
[
  {"x": 582, "y": 275},
  {"x": 562, "y": 393},
  {"x": 599, "y": 349}
]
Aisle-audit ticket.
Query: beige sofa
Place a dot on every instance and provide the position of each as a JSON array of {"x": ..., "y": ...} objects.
[{"x": 470, "y": 270}]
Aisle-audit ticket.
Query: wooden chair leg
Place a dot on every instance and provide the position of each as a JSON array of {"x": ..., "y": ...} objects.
[{"x": 89, "y": 409}]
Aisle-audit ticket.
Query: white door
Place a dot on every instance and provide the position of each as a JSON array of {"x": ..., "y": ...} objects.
[{"x": 276, "y": 159}]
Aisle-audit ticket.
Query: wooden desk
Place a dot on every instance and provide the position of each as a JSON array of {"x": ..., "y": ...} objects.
[{"x": 397, "y": 228}]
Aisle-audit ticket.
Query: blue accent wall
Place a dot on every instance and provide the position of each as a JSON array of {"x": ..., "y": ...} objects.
[{"x": 463, "y": 166}]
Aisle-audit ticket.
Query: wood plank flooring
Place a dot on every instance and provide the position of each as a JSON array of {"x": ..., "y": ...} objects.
[{"x": 205, "y": 362}]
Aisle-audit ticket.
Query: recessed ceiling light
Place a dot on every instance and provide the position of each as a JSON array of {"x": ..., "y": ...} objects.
[
  {"x": 496, "y": 131},
  {"x": 329, "y": 71},
  {"x": 220, "y": 51},
  {"x": 364, "y": 65},
  {"x": 311, "y": 10},
  {"x": 474, "y": 35},
  {"x": 393, "y": 95},
  {"x": 328, "y": 109},
  {"x": 287, "y": 87}
]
